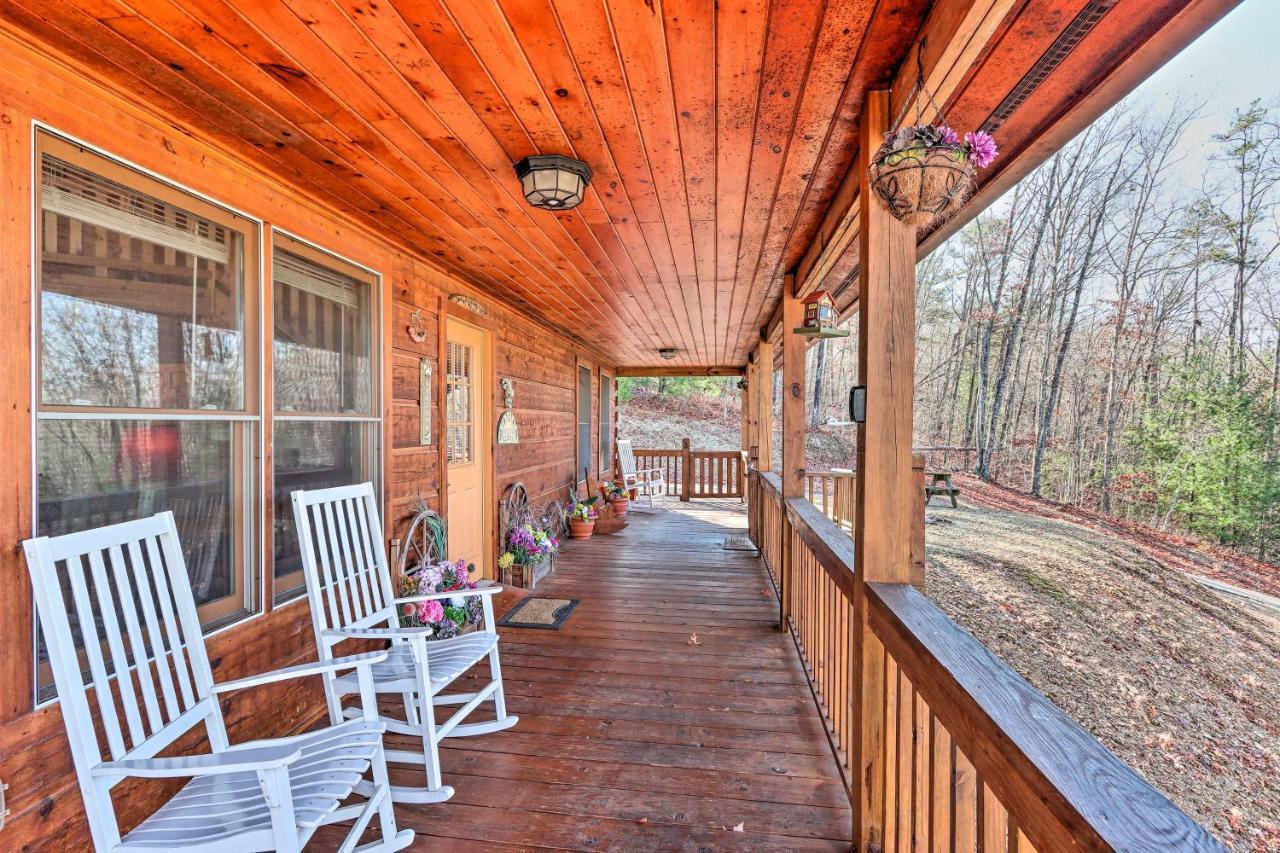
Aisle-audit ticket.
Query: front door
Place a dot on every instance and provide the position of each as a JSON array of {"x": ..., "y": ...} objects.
[{"x": 468, "y": 401}]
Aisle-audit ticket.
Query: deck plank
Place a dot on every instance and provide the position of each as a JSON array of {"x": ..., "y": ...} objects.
[{"x": 631, "y": 738}]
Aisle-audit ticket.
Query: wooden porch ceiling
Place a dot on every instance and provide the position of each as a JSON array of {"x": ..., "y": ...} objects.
[{"x": 719, "y": 133}]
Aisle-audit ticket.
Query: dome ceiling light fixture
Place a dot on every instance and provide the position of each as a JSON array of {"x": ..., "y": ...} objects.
[
  {"x": 553, "y": 181},
  {"x": 667, "y": 352}
]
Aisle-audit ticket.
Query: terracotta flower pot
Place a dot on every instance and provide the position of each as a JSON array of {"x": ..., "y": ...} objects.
[
  {"x": 619, "y": 505},
  {"x": 579, "y": 529}
]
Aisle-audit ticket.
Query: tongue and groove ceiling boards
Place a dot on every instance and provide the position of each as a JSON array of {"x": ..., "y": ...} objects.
[{"x": 721, "y": 132}]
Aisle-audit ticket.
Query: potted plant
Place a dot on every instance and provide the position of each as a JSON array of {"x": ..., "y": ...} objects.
[
  {"x": 528, "y": 549},
  {"x": 924, "y": 171},
  {"x": 582, "y": 519},
  {"x": 616, "y": 496},
  {"x": 444, "y": 618}
]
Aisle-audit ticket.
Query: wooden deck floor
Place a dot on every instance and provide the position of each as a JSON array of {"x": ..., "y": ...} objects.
[{"x": 632, "y": 738}]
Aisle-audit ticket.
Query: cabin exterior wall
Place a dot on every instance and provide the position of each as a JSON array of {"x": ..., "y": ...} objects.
[{"x": 43, "y": 90}]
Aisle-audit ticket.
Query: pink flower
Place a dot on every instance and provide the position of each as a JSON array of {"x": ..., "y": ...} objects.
[
  {"x": 982, "y": 148},
  {"x": 949, "y": 136},
  {"x": 408, "y": 610},
  {"x": 430, "y": 611}
]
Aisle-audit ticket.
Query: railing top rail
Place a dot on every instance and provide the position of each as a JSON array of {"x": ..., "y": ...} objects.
[
  {"x": 830, "y": 545},
  {"x": 1031, "y": 754}
]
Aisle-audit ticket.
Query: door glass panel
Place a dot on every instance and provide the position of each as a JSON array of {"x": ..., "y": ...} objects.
[{"x": 459, "y": 405}]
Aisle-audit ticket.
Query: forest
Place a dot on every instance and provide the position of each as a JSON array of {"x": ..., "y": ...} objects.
[{"x": 1108, "y": 334}]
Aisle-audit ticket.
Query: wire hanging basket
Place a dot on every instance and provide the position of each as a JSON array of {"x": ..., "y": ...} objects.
[{"x": 924, "y": 172}]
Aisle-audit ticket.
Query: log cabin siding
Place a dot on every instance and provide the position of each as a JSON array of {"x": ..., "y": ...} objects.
[{"x": 44, "y": 89}]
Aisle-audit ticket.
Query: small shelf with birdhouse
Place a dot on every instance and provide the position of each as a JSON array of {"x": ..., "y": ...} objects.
[{"x": 820, "y": 317}]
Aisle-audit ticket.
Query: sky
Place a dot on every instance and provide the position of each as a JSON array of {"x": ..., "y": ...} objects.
[{"x": 1225, "y": 69}]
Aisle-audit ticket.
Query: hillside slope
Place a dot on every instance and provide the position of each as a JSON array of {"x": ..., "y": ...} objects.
[{"x": 1181, "y": 684}]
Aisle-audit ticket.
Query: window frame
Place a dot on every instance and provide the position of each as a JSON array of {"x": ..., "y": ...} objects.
[
  {"x": 292, "y": 587},
  {"x": 606, "y": 427},
  {"x": 252, "y": 576},
  {"x": 583, "y": 465}
]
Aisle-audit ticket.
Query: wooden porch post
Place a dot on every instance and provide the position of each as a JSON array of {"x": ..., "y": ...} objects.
[
  {"x": 883, "y": 514},
  {"x": 764, "y": 404},
  {"x": 793, "y": 414},
  {"x": 793, "y": 430}
]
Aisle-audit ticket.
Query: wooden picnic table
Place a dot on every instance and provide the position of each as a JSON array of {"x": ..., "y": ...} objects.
[{"x": 940, "y": 484}]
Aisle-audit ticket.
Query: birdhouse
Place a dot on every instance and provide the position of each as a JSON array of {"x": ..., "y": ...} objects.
[{"x": 820, "y": 317}]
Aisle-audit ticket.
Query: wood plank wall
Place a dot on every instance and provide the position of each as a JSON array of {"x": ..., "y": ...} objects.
[{"x": 46, "y": 809}]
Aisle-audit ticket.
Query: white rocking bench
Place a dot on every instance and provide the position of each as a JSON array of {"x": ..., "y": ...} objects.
[
  {"x": 646, "y": 481},
  {"x": 349, "y": 586},
  {"x": 262, "y": 795}
]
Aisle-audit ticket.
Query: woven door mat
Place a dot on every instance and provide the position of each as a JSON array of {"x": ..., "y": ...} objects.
[
  {"x": 738, "y": 543},
  {"x": 536, "y": 611}
]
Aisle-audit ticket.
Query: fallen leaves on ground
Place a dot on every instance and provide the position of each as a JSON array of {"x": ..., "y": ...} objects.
[{"x": 693, "y": 639}]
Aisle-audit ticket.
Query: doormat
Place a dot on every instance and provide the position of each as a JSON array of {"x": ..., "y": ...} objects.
[
  {"x": 738, "y": 543},
  {"x": 535, "y": 611}
]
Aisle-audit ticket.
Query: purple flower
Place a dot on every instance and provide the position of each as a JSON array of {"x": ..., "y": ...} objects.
[
  {"x": 982, "y": 148},
  {"x": 949, "y": 136}
]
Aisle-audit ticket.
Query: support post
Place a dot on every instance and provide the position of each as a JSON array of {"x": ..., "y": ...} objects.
[
  {"x": 764, "y": 405},
  {"x": 793, "y": 382},
  {"x": 686, "y": 470},
  {"x": 886, "y": 498},
  {"x": 794, "y": 426}
]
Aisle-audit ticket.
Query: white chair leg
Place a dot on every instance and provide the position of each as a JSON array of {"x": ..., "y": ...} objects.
[
  {"x": 279, "y": 797},
  {"x": 430, "y": 742},
  {"x": 499, "y": 694}
]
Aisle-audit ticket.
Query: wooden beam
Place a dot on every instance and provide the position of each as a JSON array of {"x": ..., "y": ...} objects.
[
  {"x": 764, "y": 404},
  {"x": 794, "y": 424},
  {"x": 675, "y": 370},
  {"x": 882, "y": 518}
]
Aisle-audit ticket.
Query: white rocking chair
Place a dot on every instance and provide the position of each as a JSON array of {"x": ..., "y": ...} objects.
[
  {"x": 647, "y": 481},
  {"x": 263, "y": 795},
  {"x": 349, "y": 585}
]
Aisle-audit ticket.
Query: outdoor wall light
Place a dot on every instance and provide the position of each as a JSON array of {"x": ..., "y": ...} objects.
[
  {"x": 858, "y": 404},
  {"x": 553, "y": 181}
]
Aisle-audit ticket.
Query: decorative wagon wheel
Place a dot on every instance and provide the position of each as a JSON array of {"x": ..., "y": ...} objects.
[{"x": 426, "y": 542}]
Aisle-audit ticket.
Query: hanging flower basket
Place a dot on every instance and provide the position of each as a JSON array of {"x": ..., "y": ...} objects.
[
  {"x": 922, "y": 185},
  {"x": 925, "y": 172}
]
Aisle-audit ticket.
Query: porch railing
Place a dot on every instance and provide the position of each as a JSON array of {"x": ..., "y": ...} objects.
[
  {"x": 956, "y": 750},
  {"x": 690, "y": 473}
]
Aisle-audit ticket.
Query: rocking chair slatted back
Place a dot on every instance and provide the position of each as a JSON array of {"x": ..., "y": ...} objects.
[
  {"x": 118, "y": 599},
  {"x": 626, "y": 457},
  {"x": 348, "y": 577}
]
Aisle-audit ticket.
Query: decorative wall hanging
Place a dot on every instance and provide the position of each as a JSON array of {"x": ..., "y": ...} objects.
[
  {"x": 925, "y": 171},
  {"x": 472, "y": 305},
  {"x": 508, "y": 430},
  {"x": 417, "y": 327},
  {"x": 424, "y": 402}
]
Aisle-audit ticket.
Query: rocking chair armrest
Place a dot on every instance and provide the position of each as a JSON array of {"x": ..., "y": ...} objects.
[
  {"x": 373, "y": 633},
  {"x": 484, "y": 589},
  {"x": 302, "y": 670},
  {"x": 210, "y": 764}
]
